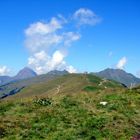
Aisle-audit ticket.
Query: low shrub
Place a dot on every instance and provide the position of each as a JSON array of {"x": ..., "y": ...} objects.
[{"x": 42, "y": 101}]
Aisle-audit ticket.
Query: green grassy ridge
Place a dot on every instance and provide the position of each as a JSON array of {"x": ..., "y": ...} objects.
[
  {"x": 6, "y": 88},
  {"x": 70, "y": 83}
]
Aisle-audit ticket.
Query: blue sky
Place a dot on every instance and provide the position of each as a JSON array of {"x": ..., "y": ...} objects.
[{"x": 77, "y": 35}]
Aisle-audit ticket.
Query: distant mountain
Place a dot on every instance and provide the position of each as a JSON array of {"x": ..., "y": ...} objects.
[
  {"x": 25, "y": 73},
  {"x": 119, "y": 76},
  {"x": 4, "y": 79}
]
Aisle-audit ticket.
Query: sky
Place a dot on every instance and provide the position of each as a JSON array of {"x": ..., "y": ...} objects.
[{"x": 76, "y": 35}]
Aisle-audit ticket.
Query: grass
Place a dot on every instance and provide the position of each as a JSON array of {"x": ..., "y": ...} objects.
[
  {"x": 72, "y": 114},
  {"x": 78, "y": 116}
]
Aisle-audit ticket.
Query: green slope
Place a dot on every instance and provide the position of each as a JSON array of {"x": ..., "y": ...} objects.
[
  {"x": 68, "y": 84},
  {"x": 73, "y": 112}
]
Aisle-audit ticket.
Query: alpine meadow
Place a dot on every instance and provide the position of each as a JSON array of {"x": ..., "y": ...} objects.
[{"x": 69, "y": 70}]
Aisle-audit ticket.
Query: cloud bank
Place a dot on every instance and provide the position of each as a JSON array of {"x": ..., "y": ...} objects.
[{"x": 48, "y": 42}]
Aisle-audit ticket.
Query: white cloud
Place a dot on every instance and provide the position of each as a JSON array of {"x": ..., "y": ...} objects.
[
  {"x": 122, "y": 62},
  {"x": 44, "y": 42},
  {"x": 48, "y": 42},
  {"x": 57, "y": 57},
  {"x": 56, "y": 61},
  {"x": 42, "y": 63},
  {"x": 41, "y": 55},
  {"x": 69, "y": 37},
  {"x": 71, "y": 69},
  {"x": 4, "y": 70},
  {"x": 41, "y": 35},
  {"x": 86, "y": 17},
  {"x": 40, "y": 28}
]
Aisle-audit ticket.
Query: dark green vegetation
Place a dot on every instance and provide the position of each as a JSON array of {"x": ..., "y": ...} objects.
[{"x": 68, "y": 108}]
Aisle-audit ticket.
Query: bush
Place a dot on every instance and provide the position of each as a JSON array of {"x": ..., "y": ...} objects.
[{"x": 42, "y": 101}]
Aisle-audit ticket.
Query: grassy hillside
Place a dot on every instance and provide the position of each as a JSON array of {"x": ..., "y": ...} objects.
[
  {"x": 68, "y": 84},
  {"x": 69, "y": 108},
  {"x": 18, "y": 84}
]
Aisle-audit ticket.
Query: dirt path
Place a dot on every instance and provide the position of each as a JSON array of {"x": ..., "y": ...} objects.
[
  {"x": 58, "y": 89},
  {"x": 103, "y": 81}
]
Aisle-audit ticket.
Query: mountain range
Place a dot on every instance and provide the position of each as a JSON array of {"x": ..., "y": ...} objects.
[
  {"x": 118, "y": 75},
  {"x": 27, "y": 77}
]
